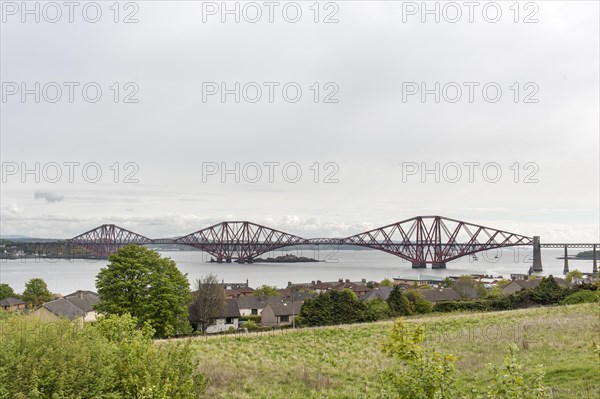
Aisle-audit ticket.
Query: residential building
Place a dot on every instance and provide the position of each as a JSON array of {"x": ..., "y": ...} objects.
[
  {"x": 280, "y": 313},
  {"x": 59, "y": 309},
  {"x": 229, "y": 317},
  {"x": 12, "y": 304},
  {"x": 85, "y": 300},
  {"x": 254, "y": 305}
]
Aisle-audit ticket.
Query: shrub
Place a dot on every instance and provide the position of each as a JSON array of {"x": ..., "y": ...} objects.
[
  {"x": 419, "y": 373},
  {"x": 250, "y": 325},
  {"x": 109, "y": 360},
  {"x": 379, "y": 308},
  {"x": 583, "y": 296},
  {"x": 509, "y": 381}
]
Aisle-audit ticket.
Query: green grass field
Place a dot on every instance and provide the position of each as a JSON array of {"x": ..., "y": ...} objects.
[{"x": 342, "y": 362}]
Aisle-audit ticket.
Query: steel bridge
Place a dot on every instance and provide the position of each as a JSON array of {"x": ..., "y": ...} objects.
[{"x": 422, "y": 240}]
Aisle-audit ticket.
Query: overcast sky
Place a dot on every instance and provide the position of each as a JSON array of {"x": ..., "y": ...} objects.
[{"x": 371, "y": 139}]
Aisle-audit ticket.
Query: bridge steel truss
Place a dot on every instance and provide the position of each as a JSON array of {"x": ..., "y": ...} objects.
[
  {"x": 105, "y": 240},
  {"x": 240, "y": 241},
  {"x": 421, "y": 240},
  {"x": 435, "y": 240}
]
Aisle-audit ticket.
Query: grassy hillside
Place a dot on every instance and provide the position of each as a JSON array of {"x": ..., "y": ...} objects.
[{"x": 342, "y": 362}]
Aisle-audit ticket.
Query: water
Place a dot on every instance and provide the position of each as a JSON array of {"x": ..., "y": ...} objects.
[{"x": 66, "y": 276}]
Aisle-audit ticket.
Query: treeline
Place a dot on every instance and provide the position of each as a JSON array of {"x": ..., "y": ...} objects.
[
  {"x": 548, "y": 292},
  {"x": 344, "y": 307}
]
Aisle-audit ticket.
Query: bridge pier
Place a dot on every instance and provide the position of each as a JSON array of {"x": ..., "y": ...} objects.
[
  {"x": 419, "y": 265},
  {"x": 566, "y": 268},
  {"x": 537, "y": 255},
  {"x": 438, "y": 265},
  {"x": 595, "y": 261}
]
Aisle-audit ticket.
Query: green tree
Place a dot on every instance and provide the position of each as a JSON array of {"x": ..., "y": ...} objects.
[
  {"x": 418, "y": 373},
  {"x": 419, "y": 304},
  {"x": 139, "y": 282},
  {"x": 379, "y": 308},
  {"x": 36, "y": 292},
  {"x": 266, "y": 290},
  {"x": 573, "y": 274},
  {"x": 548, "y": 292},
  {"x": 386, "y": 282},
  {"x": 468, "y": 288},
  {"x": 399, "y": 303},
  {"x": 334, "y": 307},
  {"x": 6, "y": 291}
]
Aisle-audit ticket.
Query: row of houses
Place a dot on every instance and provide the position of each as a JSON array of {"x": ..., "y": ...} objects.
[
  {"x": 76, "y": 306},
  {"x": 274, "y": 311}
]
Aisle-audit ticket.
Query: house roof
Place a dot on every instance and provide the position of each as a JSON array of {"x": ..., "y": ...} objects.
[
  {"x": 443, "y": 294},
  {"x": 230, "y": 309},
  {"x": 256, "y": 302},
  {"x": 534, "y": 282},
  {"x": 6, "y": 302},
  {"x": 526, "y": 284},
  {"x": 378, "y": 293},
  {"x": 285, "y": 308},
  {"x": 84, "y": 300},
  {"x": 63, "y": 308}
]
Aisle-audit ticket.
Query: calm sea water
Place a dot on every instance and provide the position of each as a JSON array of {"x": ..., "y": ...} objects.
[{"x": 66, "y": 276}]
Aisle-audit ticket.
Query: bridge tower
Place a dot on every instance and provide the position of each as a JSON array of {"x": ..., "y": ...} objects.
[
  {"x": 595, "y": 261},
  {"x": 566, "y": 269},
  {"x": 537, "y": 255}
]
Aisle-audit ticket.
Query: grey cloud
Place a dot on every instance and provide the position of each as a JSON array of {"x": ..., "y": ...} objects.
[{"x": 49, "y": 196}]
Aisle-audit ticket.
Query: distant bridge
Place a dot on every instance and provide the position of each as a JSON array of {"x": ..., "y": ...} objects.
[{"x": 421, "y": 240}]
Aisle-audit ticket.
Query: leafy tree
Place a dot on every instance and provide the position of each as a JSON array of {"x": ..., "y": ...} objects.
[
  {"x": 418, "y": 373},
  {"x": 208, "y": 302},
  {"x": 6, "y": 291},
  {"x": 266, "y": 290},
  {"x": 548, "y": 292},
  {"x": 468, "y": 288},
  {"x": 379, "y": 308},
  {"x": 495, "y": 292},
  {"x": 573, "y": 274},
  {"x": 399, "y": 303},
  {"x": 139, "y": 282},
  {"x": 335, "y": 307},
  {"x": 386, "y": 282},
  {"x": 36, "y": 292},
  {"x": 419, "y": 304}
]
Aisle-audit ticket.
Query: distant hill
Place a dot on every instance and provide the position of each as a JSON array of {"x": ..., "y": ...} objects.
[{"x": 19, "y": 238}]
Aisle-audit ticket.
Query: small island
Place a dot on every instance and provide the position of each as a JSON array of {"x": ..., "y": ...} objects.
[
  {"x": 287, "y": 259},
  {"x": 587, "y": 255},
  {"x": 584, "y": 255}
]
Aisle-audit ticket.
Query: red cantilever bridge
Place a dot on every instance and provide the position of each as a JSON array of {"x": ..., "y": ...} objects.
[{"x": 421, "y": 240}]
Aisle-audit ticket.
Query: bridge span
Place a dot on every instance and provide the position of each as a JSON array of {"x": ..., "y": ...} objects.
[{"x": 422, "y": 240}]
